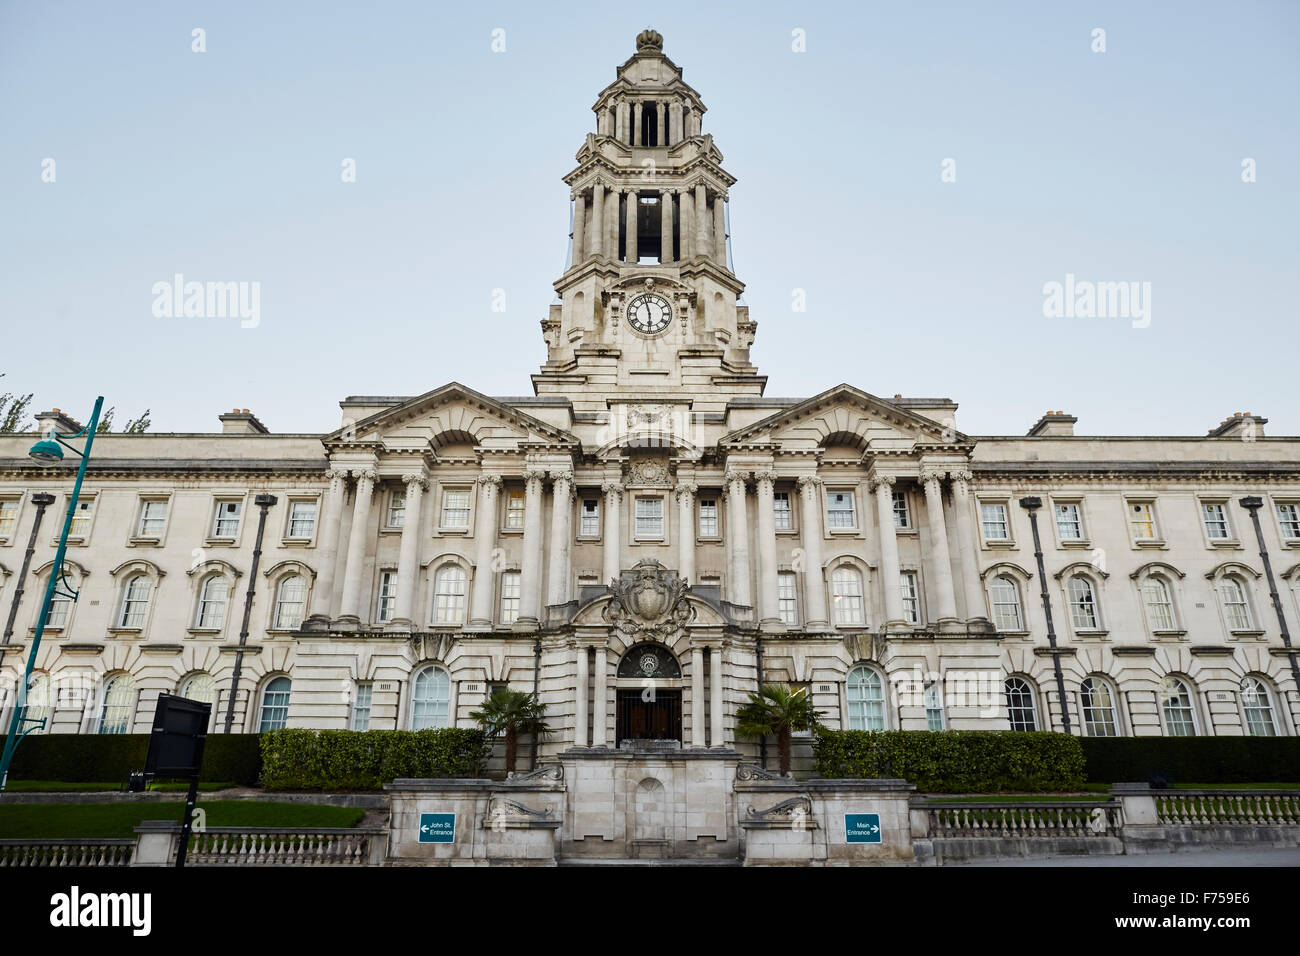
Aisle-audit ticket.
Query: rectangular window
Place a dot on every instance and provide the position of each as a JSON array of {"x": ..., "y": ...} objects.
[
  {"x": 993, "y": 521},
  {"x": 1142, "y": 520},
  {"x": 1288, "y": 516},
  {"x": 515, "y": 504},
  {"x": 396, "y": 516},
  {"x": 804, "y": 689},
  {"x": 787, "y": 598},
  {"x": 1216, "y": 521},
  {"x": 81, "y": 518},
  {"x": 387, "y": 596},
  {"x": 1069, "y": 522},
  {"x": 455, "y": 508},
  {"x": 510, "y": 597},
  {"x": 8, "y": 517},
  {"x": 649, "y": 518},
  {"x": 783, "y": 517},
  {"x": 589, "y": 522},
  {"x": 839, "y": 510},
  {"x": 911, "y": 597},
  {"x": 934, "y": 707},
  {"x": 708, "y": 518},
  {"x": 361, "y": 707},
  {"x": 302, "y": 519},
  {"x": 902, "y": 517},
  {"x": 153, "y": 518},
  {"x": 225, "y": 523}
]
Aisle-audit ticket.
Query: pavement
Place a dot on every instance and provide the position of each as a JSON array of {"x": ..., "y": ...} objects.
[{"x": 1234, "y": 856}]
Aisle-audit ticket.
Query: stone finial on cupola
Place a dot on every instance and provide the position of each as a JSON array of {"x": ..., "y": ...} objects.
[{"x": 649, "y": 41}]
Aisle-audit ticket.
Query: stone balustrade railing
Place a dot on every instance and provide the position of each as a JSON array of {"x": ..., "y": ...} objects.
[
  {"x": 263, "y": 846},
  {"x": 1229, "y": 807},
  {"x": 1045, "y": 819},
  {"x": 70, "y": 852}
]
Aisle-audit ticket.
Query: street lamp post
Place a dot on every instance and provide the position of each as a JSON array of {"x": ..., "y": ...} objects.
[
  {"x": 47, "y": 452},
  {"x": 1253, "y": 503},
  {"x": 1031, "y": 504}
]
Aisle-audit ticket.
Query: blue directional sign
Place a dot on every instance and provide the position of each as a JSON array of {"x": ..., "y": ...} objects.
[
  {"x": 437, "y": 827},
  {"x": 862, "y": 828}
]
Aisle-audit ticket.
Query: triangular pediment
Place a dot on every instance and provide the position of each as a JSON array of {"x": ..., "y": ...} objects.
[
  {"x": 848, "y": 416},
  {"x": 448, "y": 416}
]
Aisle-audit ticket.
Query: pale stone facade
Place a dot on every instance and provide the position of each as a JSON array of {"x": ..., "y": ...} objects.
[{"x": 435, "y": 546}]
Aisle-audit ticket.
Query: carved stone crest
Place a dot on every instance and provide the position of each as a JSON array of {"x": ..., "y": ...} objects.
[
  {"x": 648, "y": 471},
  {"x": 649, "y": 603}
]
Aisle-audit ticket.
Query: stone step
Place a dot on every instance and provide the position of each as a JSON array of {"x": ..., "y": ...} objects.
[{"x": 649, "y": 862}]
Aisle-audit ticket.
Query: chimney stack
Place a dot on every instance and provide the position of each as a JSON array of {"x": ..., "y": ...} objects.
[
  {"x": 1240, "y": 425},
  {"x": 240, "y": 421},
  {"x": 59, "y": 422},
  {"x": 1053, "y": 425}
]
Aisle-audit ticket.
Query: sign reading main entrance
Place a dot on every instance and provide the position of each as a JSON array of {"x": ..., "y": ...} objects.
[
  {"x": 437, "y": 828},
  {"x": 862, "y": 828}
]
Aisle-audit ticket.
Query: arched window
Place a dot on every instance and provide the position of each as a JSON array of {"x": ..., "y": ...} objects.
[
  {"x": 1022, "y": 711},
  {"x": 1258, "y": 704},
  {"x": 118, "y": 708},
  {"x": 135, "y": 602},
  {"x": 1083, "y": 604},
  {"x": 431, "y": 698},
  {"x": 1005, "y": 597},
  {"x": 1236, "y": 611},
  {"x": 275, "y": 704},
  {"x": 213, "y": 598},
  {"x": 1176, "y": 706},
  {"x": 1098, "y": 708},
  {"x": 449, "y": 595},
  {"x": 866, "y": 699},
  {"x": 1158, "y": 603},
  {"x": 290, "y": 600},
  {"x": 846, "y": 597},
  {"x": 200, "y": 687},
  {"x": 60, "y": 608},
  {"x": 40, "y": 701}
]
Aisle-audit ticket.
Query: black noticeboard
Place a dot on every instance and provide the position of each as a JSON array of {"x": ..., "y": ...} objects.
[{"x": 180, "y": 729}]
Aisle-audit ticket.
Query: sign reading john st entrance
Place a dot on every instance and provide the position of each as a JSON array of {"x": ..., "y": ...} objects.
[
  {"x": 862, "y": 828},
  {"x": 437, "y": 828}
]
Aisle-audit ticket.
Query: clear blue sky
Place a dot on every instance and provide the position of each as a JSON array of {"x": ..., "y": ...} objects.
[{"x": 1122, "y": 166}]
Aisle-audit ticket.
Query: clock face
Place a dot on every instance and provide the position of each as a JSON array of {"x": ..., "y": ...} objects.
[{"x": 650, "y": 314}]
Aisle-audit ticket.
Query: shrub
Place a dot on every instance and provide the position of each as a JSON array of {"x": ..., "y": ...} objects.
[
  {"x": 1192, "y": 759},
  {"x": 294, "y": 759},
  {"x": 108, "y": 758},
  {"x": 954, "y": 761}
]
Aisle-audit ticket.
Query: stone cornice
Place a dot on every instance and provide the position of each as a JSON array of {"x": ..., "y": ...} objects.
[{"x": 1018, "y": 471}]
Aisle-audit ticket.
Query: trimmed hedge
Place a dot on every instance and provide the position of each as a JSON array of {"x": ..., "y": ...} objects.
[
  {"x": 1192, "y": 759},
  {"x": 295, "y": 759},
  {"x": 108, "y": 758},
  {"x": 954, "y": 761}
]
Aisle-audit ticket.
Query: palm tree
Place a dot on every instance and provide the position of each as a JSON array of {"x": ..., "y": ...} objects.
[
  {"x": 511, "y": 712},
  {"x": 775, "y": 710}
]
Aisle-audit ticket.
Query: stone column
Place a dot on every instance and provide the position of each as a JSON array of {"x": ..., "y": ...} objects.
[
  {"x": 599, "y": 691},
  {"x": 579, "y": 228},
  {"x": 613, "y": 558},
  {"x": 322, "y": 595},
  {"x": 891, "y": 582},
  {"x": 940, "y": 561},
  {"x": 738, "y": 535},
  {"x": 597, "y": 219},
  {"x": 972, "y": 590},
  {"x": 715, "y": 688},
  {"x": 561, "y": 536},
  {"x": 632, "y": 214},
  {"x": 636, "y": 125},
  {"x": 350, "y": 610},
  {"x": 686, "y": 530},
  {"x": 697, "y": 698},
  {"x": 720, "y": 231},
  {"x": 580, "y": 698},
  {"x": 661, "y": 114},
  {"x": 814, "y": 583},
  {"x": 611, "y": 223},
  {"x": 665, "y": 225},
  {"x": 408, "y": 560},
  {"x": 686, "y": 229},
  {"x": 485, "y": 539},
  {"x": 702, "y": 246},
  {"x": 531, "y": 567},
  {"x": 623, "y": 122},
  {"x": 769, "y": 614},
  {"x": 687, "y": 126}
]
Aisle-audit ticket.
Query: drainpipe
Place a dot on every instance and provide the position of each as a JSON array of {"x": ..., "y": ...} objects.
[
  {"x": 1031, "y": 505},
  {"x": 537, "y": 670},
  {"x": 1253, "y": 504},
  {"x": 264, "y": 502},
  {"x": 41, "y": 501},
  {"x": 762, "y": 740}
]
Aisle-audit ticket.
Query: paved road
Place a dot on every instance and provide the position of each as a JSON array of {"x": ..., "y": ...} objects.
[{"x": 1269, "y": 856}]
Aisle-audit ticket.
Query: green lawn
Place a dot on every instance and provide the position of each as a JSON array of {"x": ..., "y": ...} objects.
[
  {"x": 62, "y": 820},
  {"x": 63, "y": 786}
]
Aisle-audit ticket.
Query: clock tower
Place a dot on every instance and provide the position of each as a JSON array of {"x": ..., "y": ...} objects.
[{"x": 648, "y": 303}]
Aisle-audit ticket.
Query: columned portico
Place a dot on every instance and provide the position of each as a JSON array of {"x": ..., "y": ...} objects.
[
  {"x": 350, "y": 605},
  {"x": 940, "y": 564},
  {"x": 810, "y": 497},
  {"x": 408, "y": 561},
  {"x": 738, "y": 536},
  {"x": 480, "y": 616},
  {"x": 769, "y": 614},
  {"x": 331, "y": 519},
  {"x": 531, "y": 571},
  {"x": 972, "y": 591},
  {"x": 883, "y": 487}
]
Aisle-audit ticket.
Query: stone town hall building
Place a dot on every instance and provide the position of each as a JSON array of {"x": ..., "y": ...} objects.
[{"x": 650, "y": 516}]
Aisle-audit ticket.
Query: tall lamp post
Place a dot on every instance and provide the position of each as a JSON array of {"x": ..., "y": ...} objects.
[
  {"x": 1031, "y": 504},
  {"x": 47, "y": 452}
]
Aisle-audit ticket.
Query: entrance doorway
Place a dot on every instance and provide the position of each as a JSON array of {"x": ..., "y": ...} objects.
[{"x": 658, "y": 718}]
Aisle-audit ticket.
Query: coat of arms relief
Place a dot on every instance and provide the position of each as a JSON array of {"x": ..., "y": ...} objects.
[{"x": 649, "y": 603}]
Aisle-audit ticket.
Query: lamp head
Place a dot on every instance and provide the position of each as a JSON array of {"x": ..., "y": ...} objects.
[{"x": 46, "y": 452}]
